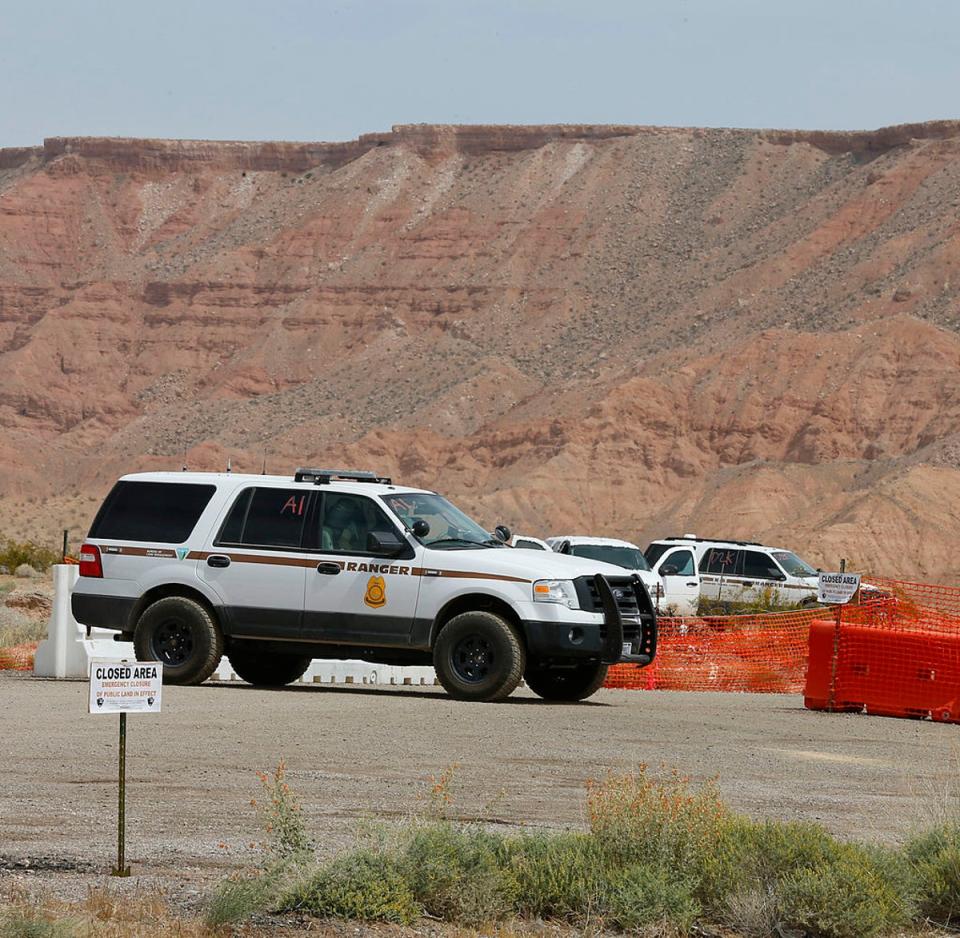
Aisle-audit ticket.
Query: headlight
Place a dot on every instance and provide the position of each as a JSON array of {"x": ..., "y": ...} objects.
[{"x": 556, "y": 591}]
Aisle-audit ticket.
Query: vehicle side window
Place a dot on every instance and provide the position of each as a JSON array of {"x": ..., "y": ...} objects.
[
  {"x": 264, "y": 517},
  {"x": 162, "y": 512},
  {"x": 681, "y": 563},
  {"x": 759, "y": 566},
  {"x": 346, "y": 521},
  {"x": 721, "y": 560}
]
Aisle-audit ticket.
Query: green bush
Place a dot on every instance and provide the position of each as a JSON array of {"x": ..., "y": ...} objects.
[
  {"x": 235, "y": 900},
  {"x": 17, "y": 922},
  {"x": 665, "y": 823},
  {"x": 646, "y": 897},
  {"x": 559, "y": 875},
  {"x": 362, "y": 885},
  {"x": 14, "y": 553},
  {"x": 934, "y": 860},
  {"x": 458, "y": 874},
  {"x": 844, "y": 896}
]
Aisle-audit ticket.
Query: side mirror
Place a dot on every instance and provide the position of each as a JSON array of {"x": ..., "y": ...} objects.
[
  {"x": 420, "y": 528},
  {"x": 384, "y": 543},
  {"x": 502, "y": 533},
  {"x": 669, "y": 570}
]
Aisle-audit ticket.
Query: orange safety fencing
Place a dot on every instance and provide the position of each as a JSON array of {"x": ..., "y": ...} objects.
[
  {"x": 761, "y": 653},
  {"x": 18, "y": 657}
]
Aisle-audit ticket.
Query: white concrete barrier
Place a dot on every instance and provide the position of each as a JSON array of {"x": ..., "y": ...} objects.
[{"x": 67, "y": 651}]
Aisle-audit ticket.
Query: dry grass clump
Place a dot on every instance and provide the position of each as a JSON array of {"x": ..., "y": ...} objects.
[{"x": 104, "y": 913}]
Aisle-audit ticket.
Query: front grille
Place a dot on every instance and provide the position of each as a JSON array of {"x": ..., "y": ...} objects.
[{"x": 622, "y": 590}]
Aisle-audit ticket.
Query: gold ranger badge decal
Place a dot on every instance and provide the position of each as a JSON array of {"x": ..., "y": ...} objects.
[{"x": 376, "y": 595}]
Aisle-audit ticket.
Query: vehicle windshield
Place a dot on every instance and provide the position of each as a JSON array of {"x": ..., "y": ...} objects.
[
  {"x": 629, "y": 557},
  {"x": 654, "y": 552},
  {"x": 450, "y": 528},
  {"x": 792, "y": 564}
]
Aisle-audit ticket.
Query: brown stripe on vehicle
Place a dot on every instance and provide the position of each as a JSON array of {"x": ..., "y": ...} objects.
[{"x": 466, "y": 575}]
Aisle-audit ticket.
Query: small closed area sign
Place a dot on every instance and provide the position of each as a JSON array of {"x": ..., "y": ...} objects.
[
  {"x": 837, "y": 588},
  {"x": 125, "y": 686}
]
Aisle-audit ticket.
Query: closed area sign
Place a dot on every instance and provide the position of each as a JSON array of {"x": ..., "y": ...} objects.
[
  {"x": 837, "y": 588},
  {"x": 125, "y": 686}
]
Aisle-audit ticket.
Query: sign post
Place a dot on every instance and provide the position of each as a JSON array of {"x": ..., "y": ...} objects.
[
  {"x": 124, "y": 687},
  {"x": 837, "y": 589}
]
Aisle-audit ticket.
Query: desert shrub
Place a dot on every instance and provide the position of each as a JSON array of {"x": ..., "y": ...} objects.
[
  {"x": 457, "y": 873},
  {"x": 559, "y": 875},
  {"x": 934, "y": 861},
  {"x": 282, "y": 816},
  {"x": 667, "y": 824},
  {"x": 649, "y": 899},
  {"x": 843, "y": 896},
  {"x": 16, "y": 628},
  {"x": 236, "y": 899},
  {"x": 14, "y": 553},
  {"x": 27, "y": 922},
  {"x": 362, "y": 885}
]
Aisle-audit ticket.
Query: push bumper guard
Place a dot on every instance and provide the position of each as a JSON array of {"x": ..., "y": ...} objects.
[{"x": 643, "y": 647}]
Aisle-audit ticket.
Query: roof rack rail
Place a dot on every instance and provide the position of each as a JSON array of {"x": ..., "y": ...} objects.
[
  {"x": 324, "y": 476},
  {"x": 710, "y": 540}
]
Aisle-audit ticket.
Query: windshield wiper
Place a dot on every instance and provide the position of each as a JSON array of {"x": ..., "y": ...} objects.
[{"x": 454, "y": 540}]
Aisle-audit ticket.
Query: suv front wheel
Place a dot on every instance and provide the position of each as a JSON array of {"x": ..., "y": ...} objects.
[
  {"x": 572, "y": 682},
  {"x": 182, "y": 634},
  {"x": 478, "y": 656}
]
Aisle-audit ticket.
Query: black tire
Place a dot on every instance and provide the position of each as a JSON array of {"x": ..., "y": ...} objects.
[
  {"x": 576, "y": 682},
  {"x": 478, "y": 656},
  {"x": 182, "y": 634},
  {"x": 266, "y": 669}
]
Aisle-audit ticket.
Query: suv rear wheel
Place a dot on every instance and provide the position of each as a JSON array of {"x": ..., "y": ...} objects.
[
  {"x": 478, "y": 656},
  {"x": 182, "y": 634},
  {"x": 267, "y": 669},
  {"x": 574, "y": 682}
]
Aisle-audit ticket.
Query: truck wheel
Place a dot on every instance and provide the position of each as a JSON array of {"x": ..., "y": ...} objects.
[
  {"x": 478, "y": 656},
  {"x": 566, "y": 683},
  {"x": 267, "y": 669},
  {"x": 182, "y": 634}
]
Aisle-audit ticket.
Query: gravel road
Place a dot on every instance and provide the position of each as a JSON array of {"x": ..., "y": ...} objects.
[{"x": 356, "y": 753}]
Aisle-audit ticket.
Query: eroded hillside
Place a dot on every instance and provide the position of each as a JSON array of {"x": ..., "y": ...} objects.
[{"x": 622, "y": 330}]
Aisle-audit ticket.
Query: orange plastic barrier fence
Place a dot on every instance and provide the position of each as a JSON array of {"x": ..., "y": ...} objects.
[
  {"x": 763, "y": 653},
  {"x": 897, "y": 656},
  {"x": 18, "y": 657}
]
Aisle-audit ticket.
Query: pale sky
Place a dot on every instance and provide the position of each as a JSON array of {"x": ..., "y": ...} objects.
[{"x": 332, "y": 69}]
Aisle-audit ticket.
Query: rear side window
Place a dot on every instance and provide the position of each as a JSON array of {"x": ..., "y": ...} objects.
[
  {"x": 722, "y": 561},
  {"x": 262, "y": 517},
  {"x": 161, "y": 512}
]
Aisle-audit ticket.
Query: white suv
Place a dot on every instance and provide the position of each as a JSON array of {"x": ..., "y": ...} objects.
[
  {"x": 610, "y": 550},
  {"x": 735, "y": 571},
  {"x": 274, "y": 571}
]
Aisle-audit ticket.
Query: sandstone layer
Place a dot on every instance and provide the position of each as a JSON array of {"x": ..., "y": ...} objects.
[{"x": 634, "y": 331}]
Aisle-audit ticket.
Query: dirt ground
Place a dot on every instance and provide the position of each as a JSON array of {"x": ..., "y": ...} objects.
[{"x": 355, "y": 754}]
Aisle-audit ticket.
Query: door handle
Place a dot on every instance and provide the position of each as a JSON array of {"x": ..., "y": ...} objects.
[
  {"x": 328, "y": 567},
  {"x": 218, "y": 560},
  {"x": 693, "y": 584}
]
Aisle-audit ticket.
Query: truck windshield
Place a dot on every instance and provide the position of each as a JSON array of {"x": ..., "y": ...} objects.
[
  {"x": 450, "y": 528},
  {"x": 792, "y": 564},
  {"x": 629, "y": 557}
]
